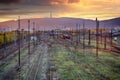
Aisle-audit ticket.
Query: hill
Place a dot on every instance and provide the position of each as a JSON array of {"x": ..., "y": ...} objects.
[{"x": 60, "y": 23}]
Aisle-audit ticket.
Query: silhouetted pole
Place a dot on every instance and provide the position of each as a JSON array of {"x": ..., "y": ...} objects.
[
  {"x": 111, "y": 42},
  {"x": 105, "y": 42},
  {"x": 105, "y": 39},
  {"x": 79, "y": 34},
  {"x": 101, "y": 35},
  {"x": 34, "y": 34},
  {"x": 29, "y": 37},
  {"x": 19, "y": 44},
  {"x": 89, "y": 43},
  {"x": 4, "y": 37},
  {"x": 97, "y": 36},
  {"x": 56, "y": 33},
  {"x": 71, "y": 36},
  {"x": 83, "y": 37}
]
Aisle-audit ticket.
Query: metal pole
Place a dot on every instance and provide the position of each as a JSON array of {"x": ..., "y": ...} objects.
[
  {"x": 84, "y": 37},
  {"x": 19, "y": 44},
  {"x": 34, "y": 34},
  {"x": 79, "y": 33},
  {"x": 4, "y": 37},
  {"x": 105, "y": 39},
  {"x": 111, "y": 42},
  {"x": 89, "y": 37},
  {"x": 71, "y": 36},
  {"x": 29, "y": 37},
  {"x": 97, "y": 36},
  {"x": 101, "y": 36},
  {"x": 76, "y": 35}
]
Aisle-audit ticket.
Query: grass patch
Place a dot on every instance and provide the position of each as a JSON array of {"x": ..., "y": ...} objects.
[
  {"x": 76, "y": 65},
  {"x": 12, "y": 62}
]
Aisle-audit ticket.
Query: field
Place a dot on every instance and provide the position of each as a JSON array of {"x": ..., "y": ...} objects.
[
  {"x": 60, "y": 58},
  {"x": 75, "y": 64},
  {"x": 9, "y": 37}
]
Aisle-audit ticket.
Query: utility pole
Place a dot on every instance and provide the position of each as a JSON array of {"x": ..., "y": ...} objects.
[
  {"x": 97, "y": 36},
  {"x": 71, "y": 35},
  {"x": 4, "y": 37},
  {"x": 76, "y": 35},
  {"x": 34, "y": 34},
  {"x": 19, "y": 46},
  {"x": 29, "y": 37},
  {"x": 111, "y": 42},
  {"x": 101, "y": 35},
  {"x": 79, "y": 34},
  {"x": 89, "y": 43},
  {"x": 105, "y": 39},
  {"x": 83, "y": 37}
]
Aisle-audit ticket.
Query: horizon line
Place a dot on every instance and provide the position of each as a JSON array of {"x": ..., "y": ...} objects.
[{"x": 60, "y": 17}]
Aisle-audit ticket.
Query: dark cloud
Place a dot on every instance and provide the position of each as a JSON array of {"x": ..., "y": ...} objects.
[
  {"x": 40, "y": 2},
  {"x": 60, "y": 2},
  {"x": 22, "y": 10},
  {"x": 9, "y": 1},
  {"x": 7, "y": 9},
  {"x": 73, "y": 1},
  {"x": 24, "y": 7}
]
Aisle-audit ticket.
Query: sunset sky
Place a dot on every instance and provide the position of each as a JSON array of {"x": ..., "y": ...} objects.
[{"x": 103, "y": 9}]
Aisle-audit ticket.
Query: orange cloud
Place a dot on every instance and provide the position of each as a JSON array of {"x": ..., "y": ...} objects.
[
  {"x": 63, "y": 2},
  {"x": 103, "y": 9}
]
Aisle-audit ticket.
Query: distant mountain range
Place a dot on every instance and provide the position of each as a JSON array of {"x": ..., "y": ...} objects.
[{"x": 60, "y": 23}]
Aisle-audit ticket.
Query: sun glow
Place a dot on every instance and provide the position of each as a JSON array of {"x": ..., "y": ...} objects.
[{"x": 90, "y": 9}]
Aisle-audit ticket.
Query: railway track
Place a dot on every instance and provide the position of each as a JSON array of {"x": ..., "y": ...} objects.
[
  {"x": 10, "y": 50},
  {"x": 5, "y": 62},
  {"x": 116, "y": 48},
  {"x": 13, "y": 68},
  {"x": 38, "y": 67},
  {"x": 34, "y": 69}
]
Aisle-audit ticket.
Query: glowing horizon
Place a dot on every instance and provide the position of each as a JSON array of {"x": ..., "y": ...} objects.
[{"x": 87, "y": 9}]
